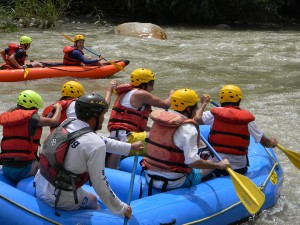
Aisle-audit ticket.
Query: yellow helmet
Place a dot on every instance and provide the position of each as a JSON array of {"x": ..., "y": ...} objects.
[
  {"x": 183, "y": 98},
  {"x": 140, "y": 76},
  {"x": 72, "y": 89},
  {"x": 25, "y": 40},
  {"x": 230, "y": 93},
  {"x": 79, "y": 37}
]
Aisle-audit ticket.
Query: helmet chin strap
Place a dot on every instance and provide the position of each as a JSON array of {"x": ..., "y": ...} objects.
[{"x": 97, "y": 121}]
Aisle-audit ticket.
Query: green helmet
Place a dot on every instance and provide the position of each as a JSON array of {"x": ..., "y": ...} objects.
[
  {"x": 30, "y": 99},
  {"x": 88, "y": 104},
  {"x": 25, "y": 40}
]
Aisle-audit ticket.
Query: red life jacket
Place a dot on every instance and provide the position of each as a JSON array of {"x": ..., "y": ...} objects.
[
  {"x": 16, "y": 141},
  {"x": 162, "y": 154},
  {"x": 64, "y": 104},
  {"x": 71, "y": 61},
  {"x": 229, "y": 133},
  {"x": 52, "y": 157},
  {"x": 12, "y": 49},
  {"x": 122, "y": 118}
]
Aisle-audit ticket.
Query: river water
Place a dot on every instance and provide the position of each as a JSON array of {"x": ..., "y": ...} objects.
[{"x": 265, "y": 64}]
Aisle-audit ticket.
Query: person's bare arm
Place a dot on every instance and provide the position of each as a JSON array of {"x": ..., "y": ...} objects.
[
  {"x": 208, "y": 164},
  {"x": 109, "y": 90},
  {"x": 268, "y": 142},
  {"x": 54, "y": 120},
  {"x": 13, "y": 60},
  {"x": 3, "y": 55},
  {"x": 205, "y": 99},
  {"x": 141, "y": 97}
]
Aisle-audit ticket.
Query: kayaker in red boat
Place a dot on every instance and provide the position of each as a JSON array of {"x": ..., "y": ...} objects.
[
  {"x": 231, "y": 129},
  {"x": 132, "y": 108},
  {"x": 74, "y": 54},
  {"x": 22, "y": 130},
  {"x": 15, "y": 55},
  {"x": 84, "y": 160},
  {"x": 172, "y": 159}
]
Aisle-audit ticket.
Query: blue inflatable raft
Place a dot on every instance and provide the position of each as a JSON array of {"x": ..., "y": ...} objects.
[{"x": 212, "y": 202}]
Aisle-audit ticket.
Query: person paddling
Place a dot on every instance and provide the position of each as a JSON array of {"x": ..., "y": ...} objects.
[
  {"x": 15, "y": 55},
  {"x": 231, "y": 129},
  {"x": 74, "y": 55}
]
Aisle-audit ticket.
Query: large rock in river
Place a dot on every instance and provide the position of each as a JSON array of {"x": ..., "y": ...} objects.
[{"x": 141, "y": 30}]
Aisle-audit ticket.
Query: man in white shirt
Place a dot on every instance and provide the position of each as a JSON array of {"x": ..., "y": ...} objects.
[
  {"x": 86, "y": 154},
  {"x": 132, "y": 108},
  {"x": 231, "y": 128},
  {"x": 172, "y": 160}
]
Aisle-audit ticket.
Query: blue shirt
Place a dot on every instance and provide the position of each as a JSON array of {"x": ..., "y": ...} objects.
[{"x": 76, "y": 54}]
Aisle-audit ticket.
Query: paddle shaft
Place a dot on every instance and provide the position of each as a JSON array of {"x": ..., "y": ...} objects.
[
  {"x": 210, "y": 147},
  {"x": 131, "y": 185},
  {"x": 214, "y": 103}
]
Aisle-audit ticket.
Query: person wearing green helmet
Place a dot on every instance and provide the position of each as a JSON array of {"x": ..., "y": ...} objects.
[
  {"x": 22, "y": 130},
  {"x": 231, "y": 129},
  {"x": 132, "y": 107},
  {"x": 74, "y": 55},
  {"x": 15, "y": 55},
  {"x": 172, "y": 159}
]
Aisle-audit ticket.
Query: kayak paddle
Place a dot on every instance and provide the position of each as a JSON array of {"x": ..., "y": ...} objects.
[
  {"x": 111, "y": 62},
  {"x": 249, "y": 194},
  {"x": 26, "y": 72},
  {"x": 294, "y": 157}
]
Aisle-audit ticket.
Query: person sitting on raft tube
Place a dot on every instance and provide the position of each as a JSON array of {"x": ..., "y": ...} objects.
[
  {"x": 15, "y": 55},
  {"x": 231, "y": 129},
  {"x": 70, "y": 91},
  {"x": 132, "y": 108},
  {"x": 74, "y": 54},
  {"x": 172, "y": 159},
  {"x": 22, "y": 131}
]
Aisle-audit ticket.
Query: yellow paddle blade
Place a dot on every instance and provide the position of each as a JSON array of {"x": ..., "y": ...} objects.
[
  {"x": 249, "y": 194},
  {"x": 116, "y": 65},
  {"x": 68, "y": 38},
  {"x": 26, "y": 72},
  {"x": 294, "y": 157}
]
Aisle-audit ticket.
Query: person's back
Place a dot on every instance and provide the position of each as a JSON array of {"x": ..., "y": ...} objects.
[
  {"x": 132, "y": 107},
  {"x": 86, "y": 154},
  {"x": 172, "y": 158},
  {"x": 231, "y": 129},
  {"x": 22, "y": 130},
  {"x": 69, "y": 92}
]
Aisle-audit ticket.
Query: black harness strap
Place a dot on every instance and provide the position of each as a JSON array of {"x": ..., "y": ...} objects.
[
  {"x": 159, "y": 178},
  {"x": 246, "y": 137}
]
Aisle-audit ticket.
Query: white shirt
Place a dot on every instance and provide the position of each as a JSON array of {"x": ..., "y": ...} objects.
[
  {"x": 88, "y": 155},
  {"x": 186, "y": 139},
  {"x": 70, "y": 112},
  {"x": 125, "y": 101},
  {"x": 236, "y": 161}
]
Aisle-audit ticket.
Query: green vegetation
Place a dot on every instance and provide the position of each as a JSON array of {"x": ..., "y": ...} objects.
[
  {"x": 6, "y": 15},
  {"x": 45, "y": 13},
  {"x": 29, "y": 13}
]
